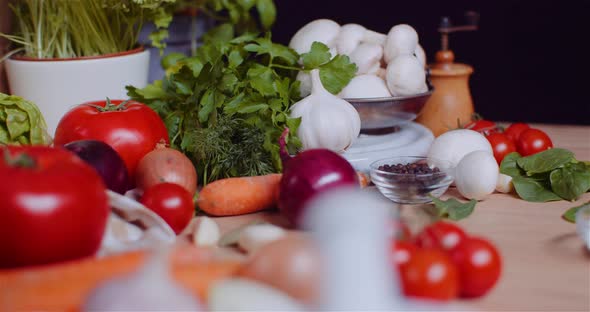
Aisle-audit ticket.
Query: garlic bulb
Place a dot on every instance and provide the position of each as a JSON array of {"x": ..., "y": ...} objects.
[
  {"x": 327, "y": 121},
  {"x": 406, "y": 76}
]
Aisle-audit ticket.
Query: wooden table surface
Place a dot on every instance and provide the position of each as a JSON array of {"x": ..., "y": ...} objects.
[{"x": 545, "y": 265}]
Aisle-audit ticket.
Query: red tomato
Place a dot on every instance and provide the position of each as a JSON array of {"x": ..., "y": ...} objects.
[
  {"x": 171, "y": 202},
  {"x": 483, "y": 126},
  {"x": 402, "y": 251},
  {"x": 430, "y": 273},
  {"x": 53, "y": 207},
  {"x": 479, "y": 265},
  {"x": 501, "y": 145},
  {"x": 514, "y": 131},
  {"x": 532, "y": 141},
  {"x": 441, "y": 235},
  {"x": 132, "y": 129}
]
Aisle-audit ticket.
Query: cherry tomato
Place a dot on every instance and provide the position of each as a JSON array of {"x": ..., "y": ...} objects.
[
  {"x": 532, "y": 141},
  {"x": 483, "y": 126},
  {"x": 171, "y": 202},
  {"x": 514, "y": 131},
  {"x": 501, "y": 145},
  {"x": 479, "y": 265},
  {"x": 441, "y": 235},
  {"x": 53, "y": 206},
  {"x": 130, "y": 128},
  {"x": 430, "y": 273},
  {"x": 402, "y": 251}
]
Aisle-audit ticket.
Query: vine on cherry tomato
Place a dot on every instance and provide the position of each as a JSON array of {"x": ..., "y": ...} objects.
[
  {"x": 501, "y": 145},
  {"x": 172, "y": 203},
  {"x": 479, "y": 266},
  {"x": 430, "y": 273},
  {"x": 485, "y": 127},
  {"x": 532, "y": 141}
]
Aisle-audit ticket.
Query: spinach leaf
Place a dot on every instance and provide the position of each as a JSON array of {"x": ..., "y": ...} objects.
[
  {"x": 571, "y": 181},
  {"x": 509, "y": 165},
  {"x": 533, "y": 191},
  {"x": 453, "y": 209},
  {"x": 545, "y": 161},
  {"x": 570, "y": 214}
]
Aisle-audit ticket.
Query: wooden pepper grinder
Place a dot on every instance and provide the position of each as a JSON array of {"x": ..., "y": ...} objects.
[{"x": 450, "y": 104}]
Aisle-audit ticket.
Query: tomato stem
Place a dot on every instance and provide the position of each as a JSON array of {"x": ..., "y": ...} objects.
[
  {"x": 19, "y": 161},
  {"x": 110, "y": 107}
]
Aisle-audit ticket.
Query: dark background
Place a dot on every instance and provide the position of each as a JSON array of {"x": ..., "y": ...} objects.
[{"x": 528, "y": 55}]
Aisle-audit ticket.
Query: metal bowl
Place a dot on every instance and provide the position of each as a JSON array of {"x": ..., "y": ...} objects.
[{"x": 382, "y": 114}]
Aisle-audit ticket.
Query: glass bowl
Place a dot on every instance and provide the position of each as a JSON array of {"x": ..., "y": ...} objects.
[{"x": 412, "y": 188}]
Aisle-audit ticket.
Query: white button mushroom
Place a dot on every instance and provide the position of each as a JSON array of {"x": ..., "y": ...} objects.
[
  {"x": 321, "y": 30},
  {"x": 476, "y": 175},
  {"x": 349, "y": 38},
  {"x": 401, "y": 40},
  {"x": 366, "y": 56},
  {"x": 374, "y": 37},
  {"x": 453, "y": 145},
  {"x": 420, "y": 55},
  {"x": 406, "y": 76},
  {"x": 365, "y": 86}
]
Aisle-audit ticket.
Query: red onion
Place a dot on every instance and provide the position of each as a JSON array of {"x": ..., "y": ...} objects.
[
  {"x": 308, "y": 173},
  {"x": 105, "y": 160}
]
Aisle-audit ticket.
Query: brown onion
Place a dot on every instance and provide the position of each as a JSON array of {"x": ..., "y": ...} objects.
[
  {"x": 291, "y": 264},
  {"x": 166, "y": 165}
]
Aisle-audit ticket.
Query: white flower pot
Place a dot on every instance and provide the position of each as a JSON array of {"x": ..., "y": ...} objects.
[{"x": 56, "y": 85}]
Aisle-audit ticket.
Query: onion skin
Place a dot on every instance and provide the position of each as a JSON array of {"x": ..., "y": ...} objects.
[
  {"x": 105, "y": 160},
  {"x": 308, "y": 173},
  {"x": 166, "y": 165}
]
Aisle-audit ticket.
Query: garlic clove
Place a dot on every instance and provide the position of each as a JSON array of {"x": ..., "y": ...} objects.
[
  {"x": 255, "y": 236},
  {"x": 321, "y": 30},
  {"x": 305, "y": 83},
  {"x": 401, "y": 40},
  {"x": 239, "y": 294},
  {"x": 406, "y": 76},
  {"x": 504, "y": 183},
  {"x": 151, "y": 288},
  {"x": 365, "y": 86},
  {"x": 206, "y": 232},
  {"x": 366, "y": 56}
]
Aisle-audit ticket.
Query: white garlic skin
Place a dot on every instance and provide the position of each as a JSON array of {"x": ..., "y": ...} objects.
[
  {"x": 402, "y": 39},
  {"x": 327, "y": 121},
  {"x": 406, "y": 76},
  {"x": 365, "y": 86}
]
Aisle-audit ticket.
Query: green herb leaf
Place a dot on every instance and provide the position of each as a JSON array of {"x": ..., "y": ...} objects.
[
  {"x": 318, "y": 55},
  {"x": 532, "y": 190},
  {"x": 267, "y": 11},
  {"x": 545, "y": 161},
  {"x": 570, "y": 214},
  {"x": 261, "y": 79},
  {"x": 221, "y": 33},
  {"x": 571, "y": 181},
  {"x": 152, "y": 91},
  {"x": 21, "y": 122},
  {"x": 337, "y": 73},
  {"x": 453, "y": 209}
]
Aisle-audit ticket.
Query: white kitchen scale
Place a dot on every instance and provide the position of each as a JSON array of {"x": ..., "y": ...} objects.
[{"x": 408, "y": 139}]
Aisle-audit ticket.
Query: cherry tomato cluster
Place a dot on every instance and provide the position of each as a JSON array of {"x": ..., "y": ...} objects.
[
  {"x": 518, "y": 137},
  {"x": 442, "y": 262}
]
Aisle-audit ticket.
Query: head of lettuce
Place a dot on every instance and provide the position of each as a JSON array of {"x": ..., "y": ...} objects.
[{"x": 21, "y": 122}]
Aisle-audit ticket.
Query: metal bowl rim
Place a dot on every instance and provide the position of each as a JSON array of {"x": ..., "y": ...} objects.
[{"x": 389, "y": 98}]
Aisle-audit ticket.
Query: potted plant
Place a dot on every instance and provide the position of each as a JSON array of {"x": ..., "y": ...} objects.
[{"x": 71, "y": 51}]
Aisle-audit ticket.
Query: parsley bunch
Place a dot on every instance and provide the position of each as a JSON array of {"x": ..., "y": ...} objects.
[{"x": 226, "y": 107}]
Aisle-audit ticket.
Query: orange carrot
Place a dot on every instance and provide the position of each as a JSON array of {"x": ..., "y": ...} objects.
[
  {"x": 235, "y": 196},
  {"x": 64, "y": 286}
]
